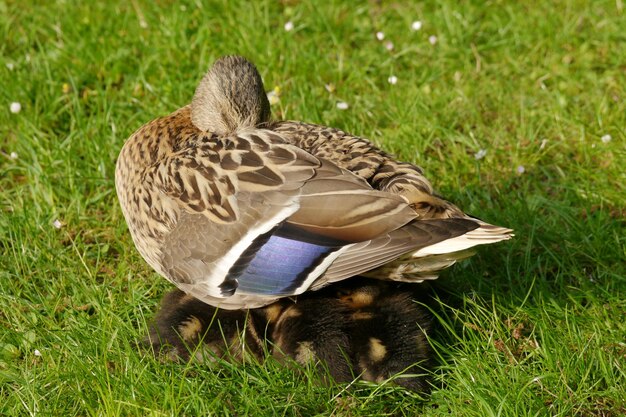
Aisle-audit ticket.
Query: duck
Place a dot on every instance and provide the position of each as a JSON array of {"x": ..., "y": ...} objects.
[
  {"x": 357, "y": 329},
  {"x": 239, "y": 210},
  {"x": 186, "y": 328}
]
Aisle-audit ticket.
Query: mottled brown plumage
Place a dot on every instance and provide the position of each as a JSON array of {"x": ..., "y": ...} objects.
[{"x": 239, "y": 210}]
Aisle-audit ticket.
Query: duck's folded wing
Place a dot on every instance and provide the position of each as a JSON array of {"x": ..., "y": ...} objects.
[
  {"x": 264, "y": 221},
  {"x": 367, "y": 256},
  {"x": 416, "y": 252},
  {"x": 340, "y": 205}
]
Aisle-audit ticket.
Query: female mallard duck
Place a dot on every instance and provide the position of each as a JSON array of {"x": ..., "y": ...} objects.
[
  {"x": 239, "y": 211},
  {"x": 358, "y": 328}
]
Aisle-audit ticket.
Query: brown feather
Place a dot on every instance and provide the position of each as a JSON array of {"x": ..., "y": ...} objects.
[{"x": 198, "y": 186}]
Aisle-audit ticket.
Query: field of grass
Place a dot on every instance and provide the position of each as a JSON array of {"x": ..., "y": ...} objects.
[{"x": 516, "y": 110}]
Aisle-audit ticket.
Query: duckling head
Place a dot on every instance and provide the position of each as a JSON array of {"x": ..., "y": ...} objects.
[{"x": 230, "y": 97}]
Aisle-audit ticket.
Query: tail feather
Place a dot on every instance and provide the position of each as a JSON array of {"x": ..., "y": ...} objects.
[
  {"x": 410, "y": 269},
  {"x": 426, "y": 262},
  {"x": 485, "y": 234}
]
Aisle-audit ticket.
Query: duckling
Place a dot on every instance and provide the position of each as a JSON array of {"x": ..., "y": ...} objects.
[
  {"x": 185, "y": 326},
  {"x": 389, "y": 339},
  {"x": 238, "y": 210},
  {"x": 359, "y": 328},
  {"x": 314, "y": 331}
]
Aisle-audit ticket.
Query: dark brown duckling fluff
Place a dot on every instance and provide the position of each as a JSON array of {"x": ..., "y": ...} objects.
[
  {"x": 185, "y": 326},
  {"x": 359, "y": 328}
]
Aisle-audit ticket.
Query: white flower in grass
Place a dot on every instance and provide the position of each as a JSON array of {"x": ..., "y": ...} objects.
[
  {"x": 544, "y": 142},
  {"x": 15, "y": 107},
  {"x": 380, "y": 36},
  {"x": 13, "y": 155},
  {"x": 606, "y": 138},
  {"x": 342, "y": 105},
  {"x": 389, "y": 46},
  {"x": 417, "y": 25},
  {"x": 289, "y": 26},
  {"x": 37, "y": 352},
  {"x": 274, "y": 96},
  {"x": 393, "y": 80},
  {"x": 520, "y": 169},
  {"x": 432, "y": 39},
  {"x": 57, "y": 224},
  {"x": 480, "y": 154},
  {"x": 10, "y": 66}
]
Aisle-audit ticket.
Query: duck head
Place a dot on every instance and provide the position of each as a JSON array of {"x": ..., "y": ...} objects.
[{"x": 230, "y": 97}]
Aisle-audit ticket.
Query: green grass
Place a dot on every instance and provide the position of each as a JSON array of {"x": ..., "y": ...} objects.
[{"x": 530, "y": 327}]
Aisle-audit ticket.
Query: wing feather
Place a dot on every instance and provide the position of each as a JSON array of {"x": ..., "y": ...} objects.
[
  {"x": 228, "y": 198},
  {"x": 369, "y": 255}
]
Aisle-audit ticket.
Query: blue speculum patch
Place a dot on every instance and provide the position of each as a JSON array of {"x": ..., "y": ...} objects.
[{"x": 277, "y": 263}]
